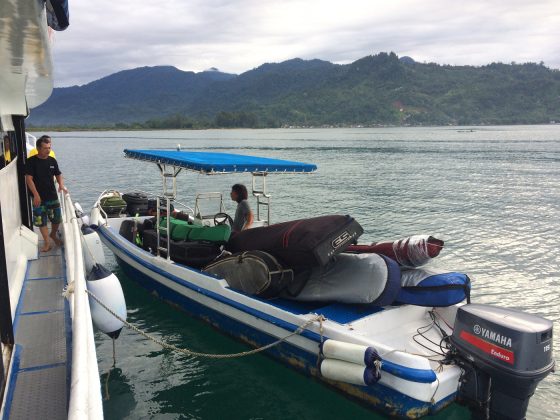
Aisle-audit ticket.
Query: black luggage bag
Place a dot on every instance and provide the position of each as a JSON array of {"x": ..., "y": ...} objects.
[
  {"x": 128, "y": 229},
  {"x": 193, "y": 254},
  {"x": 253, "y": 272},
  {"x": 301, "y": 243},
  {"x": 136, "y": 203},
  {"x": 152, "y": 205},
  {"x": 149, "y": 240}
]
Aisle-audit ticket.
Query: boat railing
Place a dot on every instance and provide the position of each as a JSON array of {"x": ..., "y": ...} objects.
[
  {"x": 207, "y": 197},
  {"x": 185, "y": 206},
  {"x": 85, "y": 388},
  {"x": 262, "y": 195}
]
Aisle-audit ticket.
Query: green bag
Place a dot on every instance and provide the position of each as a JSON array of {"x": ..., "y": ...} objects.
[
  {"x": 112, "y": 204},
  {"x": 182, "y": 230},
  {"x": 218, "y": 234}
]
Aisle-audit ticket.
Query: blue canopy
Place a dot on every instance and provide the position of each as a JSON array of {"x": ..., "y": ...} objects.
[{"x": 210, "y": 163}]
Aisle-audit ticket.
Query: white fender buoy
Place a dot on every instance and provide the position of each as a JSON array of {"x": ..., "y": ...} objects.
[
  {"x": 80, "y": 214},
  {"x": 352, "y": 373},
  {"x": 95, "y": 216},
  {"x": 92, "y": 249},
  {"x": 107, "y": 288},
  {"x": 349, "y": 352}
]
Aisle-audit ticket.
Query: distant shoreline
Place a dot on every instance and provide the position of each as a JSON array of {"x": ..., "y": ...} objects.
[{"x": 292, "y": 127}]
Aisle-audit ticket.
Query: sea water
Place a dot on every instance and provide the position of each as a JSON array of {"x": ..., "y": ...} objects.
[{"x": 491, "y": 193}]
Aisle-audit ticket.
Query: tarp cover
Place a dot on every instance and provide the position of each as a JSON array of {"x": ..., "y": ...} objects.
[{"x": 211, "y": 162}]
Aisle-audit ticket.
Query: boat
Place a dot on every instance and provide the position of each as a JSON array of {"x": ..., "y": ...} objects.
[
  {"x": 48, "y": 367},
  {"x": 405, "y": 360}
]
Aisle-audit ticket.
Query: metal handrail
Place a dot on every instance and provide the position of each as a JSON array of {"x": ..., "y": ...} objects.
[
  {"x": 207, "y": 196},
  {"x": 183, "y": 205},
  {"x": 85, "y": 388}
]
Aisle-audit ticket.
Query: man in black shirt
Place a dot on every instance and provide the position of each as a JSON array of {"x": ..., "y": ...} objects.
[{"x": 39, "y": 172}]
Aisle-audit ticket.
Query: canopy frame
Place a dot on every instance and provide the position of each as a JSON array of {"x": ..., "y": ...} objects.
[
  {"x": 212, "y": 163},
  {"x": 171, "y": 163}
]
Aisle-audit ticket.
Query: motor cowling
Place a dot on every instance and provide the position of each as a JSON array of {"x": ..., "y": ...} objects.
[{"x": 504, "y": 354}]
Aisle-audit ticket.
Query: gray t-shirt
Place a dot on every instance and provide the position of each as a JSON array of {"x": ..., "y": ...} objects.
[{"x": 241, "y": 215}]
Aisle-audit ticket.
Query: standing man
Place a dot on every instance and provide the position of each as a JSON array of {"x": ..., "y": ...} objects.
[{"x": 39, "y": 172}]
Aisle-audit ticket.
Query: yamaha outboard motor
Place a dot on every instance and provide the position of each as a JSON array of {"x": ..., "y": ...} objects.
[{"x": 504, "y": 354}]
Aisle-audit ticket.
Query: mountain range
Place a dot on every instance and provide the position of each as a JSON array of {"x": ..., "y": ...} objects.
[{"x": 380, "y": 89}]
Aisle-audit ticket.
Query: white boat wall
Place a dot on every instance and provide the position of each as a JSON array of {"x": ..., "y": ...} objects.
[
  {"x": 410, "y": 379},
  {"x": 28, "y": 304}
]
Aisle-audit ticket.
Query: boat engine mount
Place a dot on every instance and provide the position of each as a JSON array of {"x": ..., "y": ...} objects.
[{"x": 504, "y": 354}]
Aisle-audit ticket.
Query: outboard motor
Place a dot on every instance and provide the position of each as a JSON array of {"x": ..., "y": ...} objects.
[{"x": 504, "y": 354}]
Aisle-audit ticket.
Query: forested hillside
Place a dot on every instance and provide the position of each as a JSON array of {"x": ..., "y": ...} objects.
[{"x": 375, "y": 90}]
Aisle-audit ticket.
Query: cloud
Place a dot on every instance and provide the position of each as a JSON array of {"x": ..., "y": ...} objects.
[{"x": 235, "y": 36}]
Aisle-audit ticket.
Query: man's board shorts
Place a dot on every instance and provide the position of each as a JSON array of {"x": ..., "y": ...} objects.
[{"x": 48, "y": 209}]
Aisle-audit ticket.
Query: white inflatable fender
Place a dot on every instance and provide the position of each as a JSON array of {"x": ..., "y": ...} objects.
[
  {"x": 349, "y": 352},
  {"x": 80, "y": 214},
  {"x": 95, "y": 216},
  {"x": 352, "y": 373},
  {"x": 92, "y": 248},
  {"x": 107, "y": 288}
]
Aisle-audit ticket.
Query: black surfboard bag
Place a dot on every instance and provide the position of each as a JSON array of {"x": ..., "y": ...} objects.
[
  {"x": 253, "y": 272},
  {"x": 301, "y": 244},
  {"x": 194, "y": 254}
]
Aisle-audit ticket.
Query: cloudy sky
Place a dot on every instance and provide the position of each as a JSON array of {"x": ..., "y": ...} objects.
[{"x": 237, "y": 35}]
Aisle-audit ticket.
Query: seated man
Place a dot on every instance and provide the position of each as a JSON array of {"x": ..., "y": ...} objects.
[{"x": 243, "y": 214}]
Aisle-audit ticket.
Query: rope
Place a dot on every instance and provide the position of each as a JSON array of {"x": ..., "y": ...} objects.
[
  {"x": 167, "y": 346},
  {"x": 107, "y": 395}
]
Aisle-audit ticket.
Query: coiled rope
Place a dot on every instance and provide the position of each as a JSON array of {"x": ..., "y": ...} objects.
[{"x": 188, "y": 352}]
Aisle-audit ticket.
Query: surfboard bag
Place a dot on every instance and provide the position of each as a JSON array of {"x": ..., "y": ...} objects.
[
  {"x": 428, "y": 287},
  {"x": 113, "y": 205},
  {"x": 253, "y": 272},
  {"x": 193, "y": 254},
  {"x": 352, "y": 278},
  {"x": 136, "y": 203},
  {"x": 182, "y": 230},
  {"x": 300, "y": 243},
  {"x": 413, "y": 251}
]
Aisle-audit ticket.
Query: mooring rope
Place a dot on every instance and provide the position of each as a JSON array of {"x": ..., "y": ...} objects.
[{"x": 167, "y": 346}]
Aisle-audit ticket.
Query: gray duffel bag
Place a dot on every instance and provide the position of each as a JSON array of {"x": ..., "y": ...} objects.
[
  {"x": 252, "y": 272},
  {"x": 350, "y": 278}
]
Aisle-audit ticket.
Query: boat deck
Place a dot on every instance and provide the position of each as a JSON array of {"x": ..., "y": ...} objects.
[
  {"x": 337, "y": 312},
  {"x": 39, "y": 379}
]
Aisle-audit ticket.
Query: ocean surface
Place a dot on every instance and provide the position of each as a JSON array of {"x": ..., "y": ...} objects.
[{"x": 491, "y": 193}]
